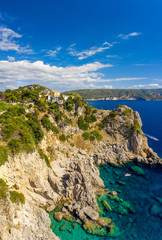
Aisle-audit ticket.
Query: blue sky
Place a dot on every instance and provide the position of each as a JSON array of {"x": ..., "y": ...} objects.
[{"x": 67, "y": 45}]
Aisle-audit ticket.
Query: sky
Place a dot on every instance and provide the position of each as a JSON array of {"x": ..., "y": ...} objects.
[{"x": 81, "y": 44}]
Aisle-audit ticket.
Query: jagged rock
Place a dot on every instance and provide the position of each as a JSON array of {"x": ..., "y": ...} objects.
[
  {"x": 51, "y": 208},
  {"x": 89, "y": 211},
  {"x": 81, "y": 215}
]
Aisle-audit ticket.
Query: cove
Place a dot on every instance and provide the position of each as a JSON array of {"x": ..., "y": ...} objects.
[{"x": 143, "y": 192}]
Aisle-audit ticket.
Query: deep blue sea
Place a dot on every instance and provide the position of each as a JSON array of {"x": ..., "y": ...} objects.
[{"x": 142, "y": 192}]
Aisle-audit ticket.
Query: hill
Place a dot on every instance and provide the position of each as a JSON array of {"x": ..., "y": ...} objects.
[{"x": 120, "y": 94}]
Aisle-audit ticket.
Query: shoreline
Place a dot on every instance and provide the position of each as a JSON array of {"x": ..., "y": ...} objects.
[{"x": 123, "y": 100}]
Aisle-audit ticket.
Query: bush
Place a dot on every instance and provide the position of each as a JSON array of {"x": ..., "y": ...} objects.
[
  {"x": 97, "y": 135},
  {"x": 69, "y": 121},
  {"x": 127, "y": 112},
  {"x": 86, "y": 135},
  {"x": 92, "y": 138},
  {"x": 62, "y": 138},
  {"x": 14, "y": 145},
  {"x": 112, "y": 115},
  {"x": 136, "y": 127},
  {"x": 17, "y": 197},
  {"x": 44, "y": 156},
  {"x": 3, "y": 155},
  {"x": 101, "y": 126},
  {"x": 3, "y": 189},
  {"x": 48, "y": 125},
  {"x": 41, "y": 105},
  {"x": 81, "y": 123}
]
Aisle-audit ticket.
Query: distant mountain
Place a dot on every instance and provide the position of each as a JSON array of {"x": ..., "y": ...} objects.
[{"x": 120, "y": 94}]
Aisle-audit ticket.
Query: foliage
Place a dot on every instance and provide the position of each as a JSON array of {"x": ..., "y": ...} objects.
[
  {"x": 62, "y": 138},
  {"x": 92, "y": 135},
  {"x": 92, "y": 138},
  {"x": 17, "y": 197},
  {"x": 112, "y": 115},
  {"x": 86, "y": 135},
  {"x": 82, "y": 124},
  {"x": 49, "y": 125},
  {"x": 127, "y": 112},
  {"x": 35, "y": 125},
  {"x": 136, "y": 127},
  {"x": 97, "y": 135},
  {"x": 42, "y": 106},
  {"x": 3, "y": 189},
  {"x": 68, "y": 105},
  {"x": 101, "y": 126},
  {"x": 44, "y": 156},
  {"x": 4, "y": 106},
  {"x": 3, "y": 155},
  {"x": 14, "y": 145}
]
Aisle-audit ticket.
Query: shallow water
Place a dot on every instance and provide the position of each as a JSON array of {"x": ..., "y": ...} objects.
[{"x": 141, "y": 191}]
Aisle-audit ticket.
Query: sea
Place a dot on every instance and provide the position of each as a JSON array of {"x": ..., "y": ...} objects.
[{"x": 139, "y": 215}]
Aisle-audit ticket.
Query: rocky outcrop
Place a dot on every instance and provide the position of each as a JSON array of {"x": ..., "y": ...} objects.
[{"x": 73, "y": 175}]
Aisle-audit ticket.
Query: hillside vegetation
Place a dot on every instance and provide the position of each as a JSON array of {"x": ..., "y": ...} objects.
[{"x": 121, "y": 94}]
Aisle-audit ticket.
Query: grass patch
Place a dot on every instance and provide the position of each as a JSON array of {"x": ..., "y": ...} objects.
[
  {"x": 3, "y": 189},
  {"x": 17, "y": 197},
  {"x": 3, "y": 155},
  {"x": 62, "y": 138},
  {"x": 44, "y": 156}
]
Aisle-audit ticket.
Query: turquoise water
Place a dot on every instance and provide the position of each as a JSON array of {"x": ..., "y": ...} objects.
[{"x": 142, "y": 192}]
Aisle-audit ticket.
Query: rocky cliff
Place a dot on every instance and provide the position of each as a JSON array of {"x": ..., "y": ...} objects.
[{"x": 71, "y": 175}]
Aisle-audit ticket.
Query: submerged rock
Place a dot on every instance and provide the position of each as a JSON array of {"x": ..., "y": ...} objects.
[{"x": 137, "y": 170}]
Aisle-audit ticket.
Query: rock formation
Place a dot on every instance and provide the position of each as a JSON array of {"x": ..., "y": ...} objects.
[{"x": 73, "y": 174}]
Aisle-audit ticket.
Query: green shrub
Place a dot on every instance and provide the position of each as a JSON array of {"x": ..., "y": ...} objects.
[
  {"x": 92, "y": 138},
  {"x": 112, "y": 114},
  {"x": 81, "y": 123},
  {"x": 101, "y": 126},
  {"x": 136, "y": 127},
  {"x": 127, "y": 112},
  {"x": 17, "y": 197},
  {"x": 3, "y": 155},
  {"x": 34, "y": 123},
  {"x": 69, "y": 121},
  {"x": 94, "y": 111},
  {"x": 97, "y": 135},
  {"x": 3, "y": 189},
  {"x": 44, "y": 156},
  {"x": 49, "y": 125},
  {"x": 86, "y": 135},
  {"x": 14, "y": 145},
  {"x": 62, "y": 138}
]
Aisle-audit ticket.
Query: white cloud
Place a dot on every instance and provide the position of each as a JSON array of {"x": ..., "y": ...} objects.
[
  {"x": 112, "y": 56},
  {"x": 53, "y": 53},
  {"x": 89, "y": 52},
  {"x": 151, "y": 85},
  {"x": 126, "y": 36},
  {"x": 10, "y": 87},
  {"x": 70, "y": 77},
  {"x": 7, "y": 41},
  {"x": 11, "y": 59},
  {"x": 122, "y": 79}
]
